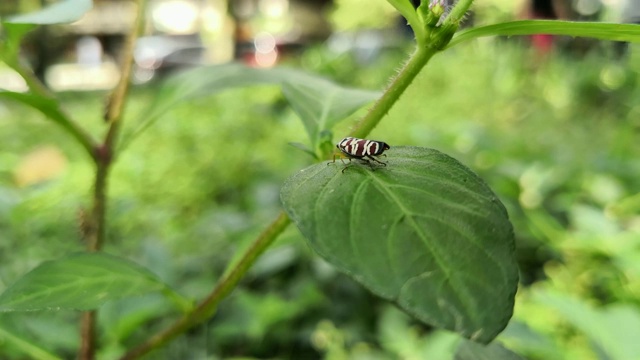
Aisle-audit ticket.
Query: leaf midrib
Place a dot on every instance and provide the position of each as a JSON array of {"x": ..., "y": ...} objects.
[{"x": 436, "y": 253}]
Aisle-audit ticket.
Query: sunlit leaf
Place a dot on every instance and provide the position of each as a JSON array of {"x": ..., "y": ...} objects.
[
  {"x": 614, "y": 329},
  {"x": 603, "y": 31},
  {"x": 424, "y": 231},
  {"x": 56, "y": 13},
  {"x": 79, "y": 281}
]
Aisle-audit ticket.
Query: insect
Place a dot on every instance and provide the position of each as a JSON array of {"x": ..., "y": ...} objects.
[{"x": 362, "y": 149}]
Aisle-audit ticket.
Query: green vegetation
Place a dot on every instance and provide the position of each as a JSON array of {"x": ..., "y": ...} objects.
[{"x": 553, "y": 137}]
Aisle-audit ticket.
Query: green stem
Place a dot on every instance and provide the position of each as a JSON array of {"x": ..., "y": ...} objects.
[
  {"x": 457, "y": 13},
  {"x": 103, "y": 158},
  {"x": 411, "y": 69},
  {"x": 209, "y": 305}
]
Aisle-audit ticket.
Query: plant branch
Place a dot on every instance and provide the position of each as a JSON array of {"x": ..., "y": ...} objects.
[
  {"x": 405, "y": 77},
  {"x": 104, "y": 155},
  {"x": 209, "y": 305},
  {"x": 457, "y": 13},
  {"x": 116, "y": 101},
  {"x": 87, "y": 335},
  {"x": 105, "y": 152}
]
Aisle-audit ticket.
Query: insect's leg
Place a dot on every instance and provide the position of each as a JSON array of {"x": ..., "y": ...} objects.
[
  {"x": 334, "y": 160},
  {"x": 346, "y": 166},
  {"x": 341, "y": 159},
  {"x": 376, "y": 160}
]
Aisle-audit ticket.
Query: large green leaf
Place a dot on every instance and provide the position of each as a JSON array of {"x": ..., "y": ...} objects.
[
  {"x": 424, "y": 231},
  {"x": 80, "y": 281},
  {"x": 318, "y": 102},
  {"x": 57, "y": 13},
  {"x": 604, "y": 31},
  {"x": 321, "y": 104}
]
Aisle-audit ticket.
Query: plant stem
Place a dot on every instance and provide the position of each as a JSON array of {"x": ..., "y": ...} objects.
[
  {"x": 87, "y": 334},
  {"x": 103, "y": 157},
  {"x": 116, "y": 102},
  {"x": 458, "y": 11},
  {"x": 209, "y": 305},
  {"x": 411, "y": 69}
]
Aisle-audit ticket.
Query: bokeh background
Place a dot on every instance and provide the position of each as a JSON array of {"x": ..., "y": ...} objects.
[{"x": 551, "y": 123}]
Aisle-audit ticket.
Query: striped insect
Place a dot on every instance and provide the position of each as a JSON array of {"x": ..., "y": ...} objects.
[{"x": 362, "y": 149}]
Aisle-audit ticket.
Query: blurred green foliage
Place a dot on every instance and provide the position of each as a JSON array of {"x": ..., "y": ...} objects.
[{"x": 554, "y": 136}]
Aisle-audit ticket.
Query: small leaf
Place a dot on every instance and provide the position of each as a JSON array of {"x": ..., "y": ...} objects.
[
  {"x": 48, "y": 107},
  {"x": 10, "y": 44},
  {"x": 321, "y": 104},
  {"x": 80, "y": 281},
  {"x": 424, "y": 231},
  {"x": 469, "y": 350},
  {"x": 304, "y": 148},
  {"x": 209, "y": 80},
  {"x": 409, "y": 12},
  {"x": 603, "y": 31},
  {"x": 57, "y": 13}
]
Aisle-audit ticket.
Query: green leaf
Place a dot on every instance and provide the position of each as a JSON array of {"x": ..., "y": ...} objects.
[
  {"x": 469, "y": 350},
  {"x": 48, "y": 107},
  {"x": 206, "y": 81},
  {"x": 200, "y": 82},
  {"x": 57, "y": 13},
  {"x": 79, "y": 281},
  {"x": 409, "y": 12},
  {"x": 51, "y": 109},
  {"x": 321, "y": 104},
  {"x": 304, "y": 148},
  {"x": 10, "y": 44},
  {"x": 603, "y": 31},
  {"x": 32, "y": 350},
  {"x": 424, "y": 231}
]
